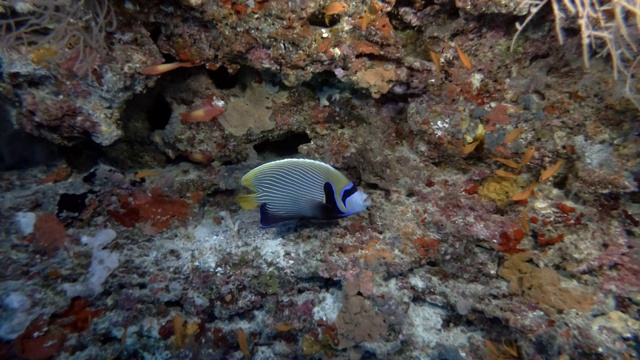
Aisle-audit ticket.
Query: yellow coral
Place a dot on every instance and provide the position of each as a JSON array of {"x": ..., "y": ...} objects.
[
  {"x": 500, "y": 189},
  {"x": 41, "y": 54}
]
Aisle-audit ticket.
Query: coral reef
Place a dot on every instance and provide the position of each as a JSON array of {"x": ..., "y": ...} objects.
[{"x": 503, "y": 176}]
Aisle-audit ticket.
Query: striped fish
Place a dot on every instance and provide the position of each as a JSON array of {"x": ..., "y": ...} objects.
[{"x": 300, "y": 188}]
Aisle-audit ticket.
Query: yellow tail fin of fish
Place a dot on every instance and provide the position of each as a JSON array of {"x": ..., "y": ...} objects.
[{"x": 247, "y": 202}]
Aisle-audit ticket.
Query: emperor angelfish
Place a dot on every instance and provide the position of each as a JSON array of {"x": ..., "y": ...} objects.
[{"x": 300, "y": 188}]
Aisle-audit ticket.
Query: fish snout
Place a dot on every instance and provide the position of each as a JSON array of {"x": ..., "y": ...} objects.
[{"x": 358, "y": 202}]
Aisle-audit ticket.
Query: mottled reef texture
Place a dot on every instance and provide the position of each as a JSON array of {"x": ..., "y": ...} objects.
[{"x": 505, "y": 216}]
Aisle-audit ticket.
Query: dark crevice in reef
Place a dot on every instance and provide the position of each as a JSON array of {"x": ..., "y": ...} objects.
[
  {"x": 223, "y": 79},
  {"x": 324, "y": 79},
  {"x": 328, "y": 87},
  {"x": 373, "y": 57},
  {"x": 143, "y": 114},
  {"x": 309, "y": 284},
  {"x": 159, "y": 113},
  {"x": 437, "y": 10},
  {"x": 155, "y": 32},
  {"x": 168, "y": 58},
  {"x": 19, "y": 149},
  {"x": 317, "y": 18},
  {"x": 83, "y": 155},
  {"x": 286, "y": 146}
]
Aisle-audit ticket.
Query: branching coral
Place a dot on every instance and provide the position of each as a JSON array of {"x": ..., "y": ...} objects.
[
  {"x": 71, "y": 32},
  {"x": 609, "y": 26}
]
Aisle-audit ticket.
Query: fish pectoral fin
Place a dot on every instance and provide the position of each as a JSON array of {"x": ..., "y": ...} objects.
[
  {"x": 327, "y": 212},
  {"x": 247, "y": 202}
]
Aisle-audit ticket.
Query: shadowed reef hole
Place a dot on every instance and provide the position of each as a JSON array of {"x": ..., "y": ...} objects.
[
  {"x": 317, "y": 18},
  {"x": 223, "y": 79},
  {"x": 159, "y": 113},
  {"x": 286, "y": 146}
]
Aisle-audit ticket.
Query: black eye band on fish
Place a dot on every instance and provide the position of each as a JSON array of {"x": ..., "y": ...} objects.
[
  {"x": 330, "y": 208},
  {"x": 348, "y": 192}
]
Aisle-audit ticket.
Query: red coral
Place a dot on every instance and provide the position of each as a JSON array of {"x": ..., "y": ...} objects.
[
  {"x": 128, "y": 219},
  {"x": 77, "y": 317},
  {"x": 39, "y": 341},
  {"x": 240, "y": 10},
  {"x": 329, "y": 332},
  {"x": 472, "y": 190},
  {"x": 156, "y": 208},
  {"x": 62, "y": 173},
  {"x": 367, "y": 48},
  {"x": 383, "y": 26},
  {"x": 319, "y": 114},
  {"x": 508, "y": 244},
  {"x": 543, "y": 241},
  {"x": 166, "y": 330},
  {"x": 498, "y": 116},
  {"x": 259, "y": 4},
  {"x": 49, "y": 234},
  {"x": 566, "y": 209},
  {"x": 426, "y": 247}
]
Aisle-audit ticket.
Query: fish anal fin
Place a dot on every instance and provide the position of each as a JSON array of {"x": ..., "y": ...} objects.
[
  {"x": 268, "y": 219},
  {"x": 247, "y": 202}
]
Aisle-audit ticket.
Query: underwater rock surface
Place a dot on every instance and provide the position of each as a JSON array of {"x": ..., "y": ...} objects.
[{"x": 503, "y": 176}]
